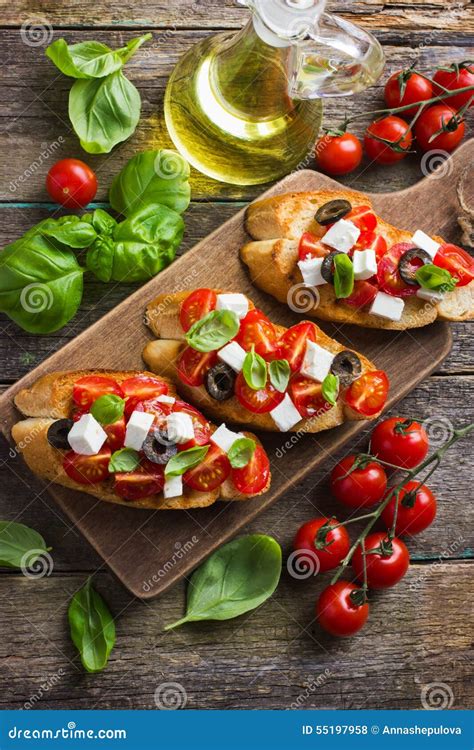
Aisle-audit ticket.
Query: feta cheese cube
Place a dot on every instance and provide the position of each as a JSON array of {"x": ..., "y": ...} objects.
[
  {"x": 365, "y": 264},
  {"x": 138, "y": 428},
  {"x": 236, "y": 303},
  {"x": 86, "y": 436},
  {"x": 173, "y": 487},
  {"x": 224, "y": 438},
  {"x": 179, "y": 427},
  {"x": 386, "y": 306},
  {"x": 166, "y": 399},
  {"x": 286, "y": 415},
  {"x": 317, "y": 362},
  {"x": 424, "y": 242},
  {"x": 430, "y": 295},
  {"x": 233, "y": 355},
  {"x": 342, "y": 235},
  {"x": 311, "y": 271}
]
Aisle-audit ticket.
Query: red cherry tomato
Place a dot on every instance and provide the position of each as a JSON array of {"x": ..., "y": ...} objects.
[
  {"x": 210, "y": 473},
  {"x": 146, "y": 480},
  {"x": 156, "y": 407},
  {"x": 438, "y": 127},
  {"x": 71, "y": 183},
  {"x": 258, "y": 402},
  {"x": 202, "y": 428},
  {"x": 253, "y": 478},
  {"x": 87, "y": 469},
  {"x": 116, "y": 434},
  {"x": 329, "y": 551},
  {"x": 141, "y": 388},
  {"x": 367, "y": 395},
  {"x": 388, "y": 275},
  {"x": 363, "y": 294},
  {"x": 337, "y": 612},
  {"x": 416, "y": 509},
  {"x": 310, "y": 246},
  {"x": 363, "y": 217},
  {"x": 86, "y": 390},
  {"x": 193, "y": 365},
  {"x": 457, "y": 261},
  {"x": 395, "y": 131},
  {"x": 369, "y": 240},
  {"x": 459, "y": 76},
  {"x": 196, "y": 305},
  {"x": 307, "y": 396},
  {"x": 383, "y": 570},
  {"x": 399, "y": 441},
  {"x": 360, "y": 487},
  {"x": 338, "y": 154},
  {"x": 256, "y": 330},
  {"x": 292, "y": 345},
  {"x": 415, "y": 88}
]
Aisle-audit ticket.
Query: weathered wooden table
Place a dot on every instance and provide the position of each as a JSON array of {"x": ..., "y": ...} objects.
[{"x": 275, "y": 657}]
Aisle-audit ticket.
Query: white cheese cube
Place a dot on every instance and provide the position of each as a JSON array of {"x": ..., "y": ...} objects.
[
  {"x": 424, "y": 242},
  {"x": 317, "y": 362},
  {"x": 430, "y": 295},
  {"x": 386, "y": 306},
  {"x": 236, "y": 303},
  {"x": 365, "y": 264},
  {"x": 286, "y": 415},
  {"x": 342, "y": 235},
  {"x": 224, "y": 438},
  {"x": 138, "y": 427},
  {"x": 166, "y": 399},
  {"x": 311, "y": 271},
  {"x": 179, "y": 427},
  {"x": 86, "y": 436},
  {"x": 173, "y": 487},
  {"x": 233, "y": 355}
]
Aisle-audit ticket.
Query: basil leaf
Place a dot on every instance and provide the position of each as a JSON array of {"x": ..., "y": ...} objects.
[
  {"x": 184, "y": 460},
  {"x": 241, "y": 452},
  {"x": 254, "y": 370},
  {"x": 102, "y": 222},
  {"x": 69, "y": 230},
  {"x": 84, "y": 60},
  {"x": 152, "y": 177},
  {"x": 92, "y": 628},
  {"x": 20, "y": 546},
  {"x": 108, "y": 409},
  {"x": 213, "y": 331},
  {"x": 132, "y": 46},
  {"x": 343, "y": 276},
  {"x": 330, "y": 388},
  {"x": 433, "y": 277},
  {"x": 237, "y": 578},
  {"x": 123, "y": 460},
  {"x": 279, "y": 371}
]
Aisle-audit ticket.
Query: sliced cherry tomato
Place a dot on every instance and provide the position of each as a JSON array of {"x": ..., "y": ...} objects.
[
  {"x": 393, "y": 130},
  {"x": 369, "y": 240},
  {"x": 258, "y": 402},
  {"x": 86, "y": 390},
  {"x": 457, "y": 261},
  {"x": 193, "y": 365},
  {"x": 388, "y": 275},
  {"x": 363, "y": 217},
  {"x": 72, "y": 183},
  {"x": 337, "y": 612},
  {"x": 384, "y": 569},
  {"x": 141, "y": 388},
  {"x": 416, "y": 509},
  {"x": 202, "y": 428},
  {"x": 328, "y": 552},
  {"x": 257, "y": 330},
  {"x": 156, "y": 407},
  {"x": 308, "y": 397},
  {"x": 116, "y": 434},
  {"x": 361, "y": 486},
  {"x": 415, "y": 88},
  {"x": 253, "y": 478},
  {"x": 311, "y": 247},
  {"x": 338, "y": 154},
  {"x": 210, "y": 473},
  {"x": 439, "y": 127},
  {"x": 458, "y": 76},
  {"x": 363, "y": 294},
  {"x": 87, "y": 469},
  {"x": 401, "y": 442},
  {"x": 367, "y": 395},
  {"x": 147, "y": 479},
  {"x": 292, "y": 345},
  {"x": 198, "y": 304}
]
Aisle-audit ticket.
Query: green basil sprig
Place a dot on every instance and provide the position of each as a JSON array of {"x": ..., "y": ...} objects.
[
  {"x": 330, "y": 388},
  {"x": 254, "y": 370},
  {"x": 213, "y": 331},
  {"x": 433, "y": 277},
  {"x": 184, "y": 460},
  {"x": 343, "y": 276},
  {"x": 241, "y": 452},
  {"x": 237, "y": 578},
  {"x": 280, "y": 372},
  {"x": 108, "y": 409},
  {"x": 69, "y": 230},
  {"x": 20, "y": 546},
  {"x": 123, "y": 460},
  {"x": 92, "y": 628}
]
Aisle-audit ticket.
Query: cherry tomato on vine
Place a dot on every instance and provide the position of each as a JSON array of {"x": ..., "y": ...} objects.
[
  {"x": 457, "y": 76},
  {"x": 416, "y": 509},
  {"x": 338, "y": 154},
  {"x": 395, "y": 131},
  {"x": 329, "y": 551},
  {"x": 358, "y": 482},
  {"x": 384, "y": 568},
  {"x": 72, "y": 183},
  {"x": 367, "y": 395},
  {"x": 399, "y": 441},
  {"x": 406, "y": 87},
  {"x": 439, "y": 127},
  {"x": 338, "y": 613}
]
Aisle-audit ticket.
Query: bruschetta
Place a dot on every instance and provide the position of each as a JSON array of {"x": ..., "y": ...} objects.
[
  {"x": 353, "y": 265},
  {"x": 228, "y": 358},
  {"x": 126, "y": 438}
]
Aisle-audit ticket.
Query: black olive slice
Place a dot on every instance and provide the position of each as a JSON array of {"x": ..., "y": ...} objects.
[
  {"x": 347, "y": 366},
  {"x": 58, "y": 432},
  {"x": 407, "y": 265},
  {"x": 157, "y": 446},
  {"x": 332, "y": 211},
  {"x": 220, "y": 381},
  {"x": 327, "y": 266}
]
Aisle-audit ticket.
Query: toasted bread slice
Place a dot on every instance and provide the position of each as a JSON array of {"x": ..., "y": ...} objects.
[
  {"x": 162, "y": 316},
  {"x": 49, "y": 399},
  {"x": 277, "y": 223}
]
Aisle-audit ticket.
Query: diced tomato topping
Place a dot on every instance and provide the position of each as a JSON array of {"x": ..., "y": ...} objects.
[
  {"x": 202, "y": 428},
  {"x": 292, "y": 345},
  {"x": 367, "y": 395},
  {"x": 363, "y": 294},
  {"x": 307, "y": 396},
  {"x": 193, "y": 365},
  {"x": 210, "y": 473},
  {"x": 86, "y": 390},
  {"x": 196, "y": 305},
  {"x": 253, "y": 478},
  {"x": 388, "y": 276},
  {"x": 146, "y": 480},
  {"x": 141, "y": 388},
  {"x": 457, "y": 261},
  {"x": 363, "y": 217},
  {"x": 257, "y": 330},
  {"x": 311, "y": 246},
  {"x": 116, "y": 434},
  {"x": 258, "y": 402},
  {"x": 369, "y": 240},
  {"x": 87, "y": 469}
]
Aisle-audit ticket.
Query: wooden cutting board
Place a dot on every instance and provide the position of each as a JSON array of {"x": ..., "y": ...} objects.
[{"x": 151, "y": 550}]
